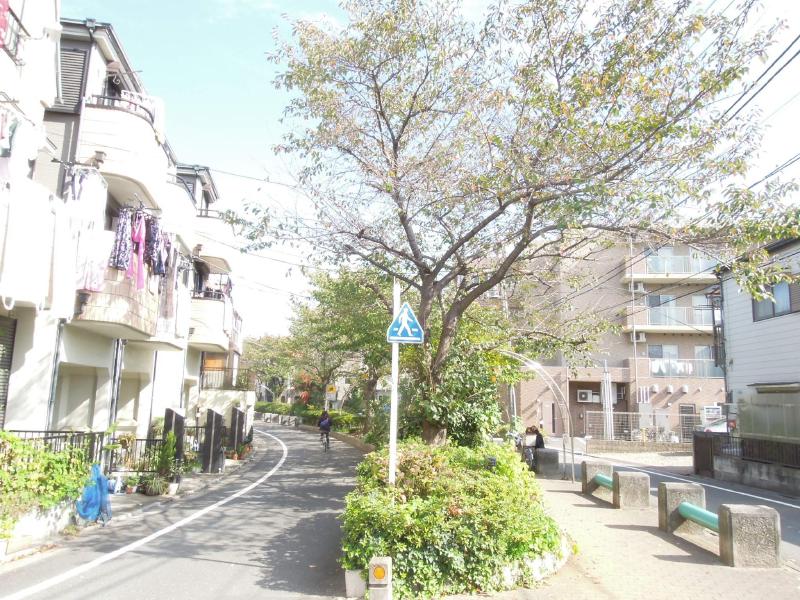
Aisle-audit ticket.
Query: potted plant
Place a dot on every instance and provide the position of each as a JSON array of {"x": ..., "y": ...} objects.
[
  {"x": 156, "y": 484},
  {"x": 131, "y": 484}
]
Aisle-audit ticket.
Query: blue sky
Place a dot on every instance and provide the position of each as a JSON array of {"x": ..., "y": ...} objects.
[{"x": 207, "y": 60}]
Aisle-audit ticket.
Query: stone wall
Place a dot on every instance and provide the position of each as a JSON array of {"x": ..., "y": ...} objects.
[
  {"x": 761, "y": 475},
  {"x": 600, "y": 446}
]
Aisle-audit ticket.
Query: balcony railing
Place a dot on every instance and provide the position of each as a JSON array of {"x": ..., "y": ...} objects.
[
  {"x": 126, "y": 104},
  {"x": 176, "y": 180},
  {"x": 657, "y": 265},
  {"x": 13, "y": 35},
  {"x": 678, "y": 316},
  {"x": 226, "y": 379},
  {"x": 209, "y": 213},
  {"x": 683, "y": 367}
]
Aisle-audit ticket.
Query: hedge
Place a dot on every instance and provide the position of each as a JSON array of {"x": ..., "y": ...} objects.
[
  {"x": 33, "y": 476},
  {"x": 309, "y": 415},
  {"x": 452, "y": 523}
]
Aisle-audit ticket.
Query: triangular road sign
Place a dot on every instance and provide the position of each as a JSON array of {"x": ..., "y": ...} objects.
[{"x": 405, "y": 328}]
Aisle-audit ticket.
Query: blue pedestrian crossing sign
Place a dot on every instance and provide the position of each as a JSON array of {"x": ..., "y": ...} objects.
[{"x": 405, "y": 328}]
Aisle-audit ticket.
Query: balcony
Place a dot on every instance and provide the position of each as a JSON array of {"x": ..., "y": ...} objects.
[
  {"x": 12, "y": 37},
  {"x": 119, "y": 310},
  {"x": 227, "y": 379},
  {"x": 211, "y": 321},
  {"x": 668, "y": 319},
  {"x": 135, "y": 163},
  {"x": 26, "y": 246},
  {"x": 701, "y": 368},
  {"x": 670, "y": 269}
]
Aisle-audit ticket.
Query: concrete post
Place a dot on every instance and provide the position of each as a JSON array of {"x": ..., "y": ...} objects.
[
  {"x": 670, "y": 495},
  {"x": 380, "y": 578},
  {"x": 546, "y": 462},
  {"x": 749, "y": 536},
  {"x": 588, "y": 486},
  {"x": 631, "y": 489}
]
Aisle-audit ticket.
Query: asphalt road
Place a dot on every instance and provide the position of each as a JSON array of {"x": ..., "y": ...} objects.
[{"x": 277, "y": 537}]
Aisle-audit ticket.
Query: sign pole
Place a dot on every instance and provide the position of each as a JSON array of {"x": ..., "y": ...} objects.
[{"x": 394, "y": 397}]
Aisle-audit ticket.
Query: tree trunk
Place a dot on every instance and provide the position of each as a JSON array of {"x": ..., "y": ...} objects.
[
  {"x": 369, "y": 399},
  {"x": 433, "y": 434}
]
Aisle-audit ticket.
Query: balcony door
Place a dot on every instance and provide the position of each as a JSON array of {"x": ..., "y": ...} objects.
[
  {"x": 663, "y": 359},
  {"x": 661, "y": 309},
  {"x": 701, "y": 310}
]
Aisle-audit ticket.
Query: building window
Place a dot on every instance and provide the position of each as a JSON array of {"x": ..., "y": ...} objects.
[
  {"x": 781, "y": 305},
  {"x": 666, "y": 351}
]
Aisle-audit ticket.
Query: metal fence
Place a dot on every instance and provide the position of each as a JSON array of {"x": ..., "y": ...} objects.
[
  {"x": 140, "y": 455},
  {"x": 641, "y": 427},
  {"x": 90, "y": 442},
  {"x": 786, "y": 454}
]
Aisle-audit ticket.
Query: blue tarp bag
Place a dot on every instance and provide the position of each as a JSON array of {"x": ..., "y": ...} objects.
[{"x": 95, "y": 503}]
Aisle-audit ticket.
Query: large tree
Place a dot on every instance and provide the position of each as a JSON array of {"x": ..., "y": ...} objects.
[{"x": 454, "y": 155}]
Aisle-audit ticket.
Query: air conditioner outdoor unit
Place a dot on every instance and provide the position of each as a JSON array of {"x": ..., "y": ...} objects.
[
  {"x": 638, "y": 337},
  {"x": 584, "y": 395},
  {"x": 638, "y": 287}
]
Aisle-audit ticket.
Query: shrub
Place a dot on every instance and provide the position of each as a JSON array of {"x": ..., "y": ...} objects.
[
  {"x": 32, "y": 476},
  {"x": 451, "y": 524},
  {"x": 275, "y": 408}
]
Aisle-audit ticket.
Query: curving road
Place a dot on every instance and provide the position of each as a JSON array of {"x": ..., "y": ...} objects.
[{"x": 270, "y": 531}]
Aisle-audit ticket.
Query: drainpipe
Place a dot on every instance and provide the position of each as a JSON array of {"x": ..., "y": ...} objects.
[
  {"x": 51, "y": 400},
  {"x": 152, "y": 391},
  {"x": 116, "y": 377}
]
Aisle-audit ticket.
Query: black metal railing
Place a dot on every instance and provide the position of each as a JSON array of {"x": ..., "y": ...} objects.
[
  {"x": 226, "y": 379},
  {"x": 180, "y": 182},
  {"x": 786, "y": 454},
  {"x": 56, "y": 441},
  {"x": 126, "y": 104},
  {"x": 13, "y": 35},
  {"x": 210, "y": 294},
  {"x": 139, "y": 455}
]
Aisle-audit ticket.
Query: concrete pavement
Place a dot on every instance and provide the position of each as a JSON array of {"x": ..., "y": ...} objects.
[{"x": 278, "y": 539}]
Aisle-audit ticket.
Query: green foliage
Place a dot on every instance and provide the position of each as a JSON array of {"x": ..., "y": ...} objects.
[
  {"x": 450, "y": 523},
  {"x": 155, "y": 484},
  {"x": 165, "y": 458},
  {"x": 275, "y": 408},
  {"x": 33, "y": 476},
  {"x": 465, "y": 401},
  {"x": 465, "y": 156}
]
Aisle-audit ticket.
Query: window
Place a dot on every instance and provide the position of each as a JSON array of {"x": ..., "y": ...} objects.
[
  {"x": 783, "y": 294},
  {"x": 668, "y": 351}
]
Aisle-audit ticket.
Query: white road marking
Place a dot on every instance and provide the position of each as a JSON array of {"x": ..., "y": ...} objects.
[
  {"x": 627, "y": 465},
  {"x": 80, "y": 570}
]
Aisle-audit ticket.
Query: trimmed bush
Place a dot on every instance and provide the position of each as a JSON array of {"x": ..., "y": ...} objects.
[
  {"x": 452, "y": 523},
  {"x": 275, "y": 408},
  {"x": 33, "y": 476}
]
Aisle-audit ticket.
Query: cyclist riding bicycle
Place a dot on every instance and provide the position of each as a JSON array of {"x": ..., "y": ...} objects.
[{"x": 325, "y": 423}]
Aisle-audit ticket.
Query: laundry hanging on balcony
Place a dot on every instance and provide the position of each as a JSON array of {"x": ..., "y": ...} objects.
[
  {"x": 87, "y": 194},
  {"x": 123, "y": 244},
  {"x": 20, "y": 141},
  {"x": 138, "y": 236}
]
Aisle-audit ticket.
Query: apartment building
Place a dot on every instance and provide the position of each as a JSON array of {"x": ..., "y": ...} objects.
[
  {"x": 112, "y": 329},
  {"x": 659, "y": 361}
]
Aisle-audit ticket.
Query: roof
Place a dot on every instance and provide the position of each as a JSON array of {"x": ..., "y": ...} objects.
[{"x": 772, "y": 248}]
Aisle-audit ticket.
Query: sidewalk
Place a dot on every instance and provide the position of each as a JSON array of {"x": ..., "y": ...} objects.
[
  {"x": 622, "y": 554},
  {"x": 125, "y": 505}
]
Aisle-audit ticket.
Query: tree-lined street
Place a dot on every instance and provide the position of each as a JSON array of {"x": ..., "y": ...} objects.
[{"x": 279, "y": 540}]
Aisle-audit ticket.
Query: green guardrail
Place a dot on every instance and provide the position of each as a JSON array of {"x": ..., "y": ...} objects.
[
  {"x": 698, "y": 515},
  {"x": 604, "y": 480}
]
